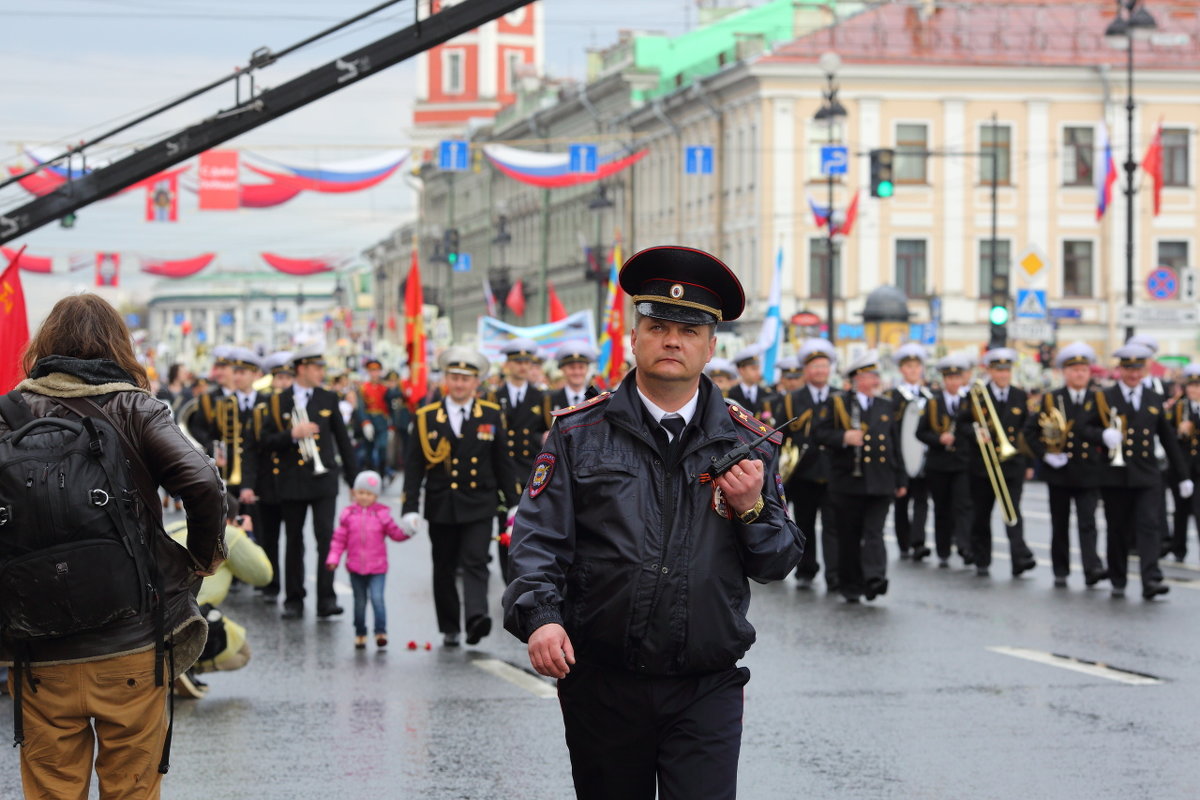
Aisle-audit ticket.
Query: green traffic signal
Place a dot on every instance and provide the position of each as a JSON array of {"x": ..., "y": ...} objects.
[
  {"x": 998, "y": 315},
  {"x": 885, "y": 189},
  {"x": 452, "y": 258}
]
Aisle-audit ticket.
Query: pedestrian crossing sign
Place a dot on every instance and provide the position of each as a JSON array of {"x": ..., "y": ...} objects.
[{"x": 1031, "y": 303}]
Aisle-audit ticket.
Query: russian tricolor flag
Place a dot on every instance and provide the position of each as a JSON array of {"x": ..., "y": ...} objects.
[{"x": 1106, "y": 173}]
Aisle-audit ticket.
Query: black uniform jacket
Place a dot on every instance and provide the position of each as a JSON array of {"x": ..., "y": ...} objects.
[
  {"x": 881, "y": 462},
  {"x": 266, "y": 467},
  {"x": 1086, "y": 456},
  {"x": 935, "y": 421},
  {"x": 814, "y": 462},
  {"x": 295, "y": 478},
  {"x": 526, "y": 423},
  {"x": 468, "y": 477},
  {"x": 1189, "y": 446},
  {"x": 1141, "y": 426},
  {"x": 236, "y": 428},
  {"x": 558, "y": 399},
  {"x": 202, "y": 424},
  {"x": 1013, "y": 414},
  {"x": 625, "y": 546},
  {"x": 764, "y": 405}
]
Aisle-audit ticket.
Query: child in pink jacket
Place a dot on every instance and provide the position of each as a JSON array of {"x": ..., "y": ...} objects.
[{"x": 361, "y": 533}]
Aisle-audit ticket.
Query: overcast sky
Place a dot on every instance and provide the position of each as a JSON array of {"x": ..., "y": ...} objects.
[{"x": 77, "y": 67}]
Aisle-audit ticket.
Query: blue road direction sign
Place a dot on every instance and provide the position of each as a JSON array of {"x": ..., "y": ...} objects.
[
  {"x": 454, "y": 155},
  {"x": 698, "y": 160},
  {"x": 1031, "y": 304},
  {"x": 835, "y": 158},
  {"x": 464, "y": 263},
  {"x": 1066, "y": 313},
  {"x": 1162, "y": 283},
  {"x": 584, "y": 158}
]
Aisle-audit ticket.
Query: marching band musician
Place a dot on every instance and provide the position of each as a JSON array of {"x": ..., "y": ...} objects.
[
  {"x": 750, "y": 392},
  {"x": 235, "y": 423},
  {"x": 808, "y": 485},
  {"x": 1011, "y": 404},
  {"x": 946, "y": 466},
  {"x": 791, "y": 376},
  {"x": 723, "y": 373},
  {"x": 266, "y": 487},
  {"x": 301, "y": 484},
  {"x": 1075, "y": 462},
  {"x": 1185, "y": 418},
  {"x": 575, "y": 361},
  {"x": 203, "y": 426},
  {"x": 868, "y": 472},
  {"x": 1165, "y": 390},
  {"x": 910, "y": 532},
  {"x": 1133, "y": 417}
]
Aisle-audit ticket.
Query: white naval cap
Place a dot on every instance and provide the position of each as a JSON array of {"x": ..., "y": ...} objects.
[
  {"x": 1075, "y": 353},
  {"x": 1145, "y": 340},
  {"x": 459, "y": 360},
  {"x": 867, "y": 361},
  {"x": 747, "y": 354},
  {"x": 720, "y": 366},
  {"x": 910, "y": 350},
  {"x": 1133, "y": 355},
  {"x": 816, "y": 348},
  {"x": 1000, "y": 358}
]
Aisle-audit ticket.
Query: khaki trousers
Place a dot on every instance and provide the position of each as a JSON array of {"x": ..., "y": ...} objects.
[{"x": 113, "y": 703}]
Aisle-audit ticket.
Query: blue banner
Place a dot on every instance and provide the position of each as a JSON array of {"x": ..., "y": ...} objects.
[{"x": 494, "y": 334}]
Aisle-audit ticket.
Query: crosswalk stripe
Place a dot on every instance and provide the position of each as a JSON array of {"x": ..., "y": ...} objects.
[
  {"x": 539, "y": 687},
  {"x": 1093, "y": 668}
]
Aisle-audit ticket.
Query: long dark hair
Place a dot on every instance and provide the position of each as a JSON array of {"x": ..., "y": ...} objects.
[{"x": 85, "y": 326}]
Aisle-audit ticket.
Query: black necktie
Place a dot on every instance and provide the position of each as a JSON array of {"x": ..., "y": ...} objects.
[
  {"x": 953, "y": 407},
  {"x": 674, "y": 426},
  {"x": 462, "y": 421}
]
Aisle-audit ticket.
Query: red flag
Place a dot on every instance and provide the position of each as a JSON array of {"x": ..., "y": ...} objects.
[
  {"x": 14, "y": 324},
  {"x": 851, "y": 215},
  {"x": 557, "y": 310},
  {"x": 516, "y": 299},
  {"x": 1152, "y": 163},
  {"x": 108, "y": 269},
  {"x": 414, "y": 336},
  {"x": 162, "y": 199}
]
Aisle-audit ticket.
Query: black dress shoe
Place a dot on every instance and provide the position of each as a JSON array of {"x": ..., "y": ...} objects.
[
  {"x": 804, "y": 582},
  {"x": 1060, "y": 581},
  {"x": 450, "y": 639},
  {"x": 981, "y": 571},
  {"x": 329, "y": 608},
  {"x": 1092, "y": 578},
  {"x": 477, "y": 628},
  {"x": 876, "y": 588},
  {"x": 851, "y": 598},
  {"x": 905, "y": 554},
  {"x": 1024, "y": 565},
  {"x": 270, "y": 596},
  {"x": 293, "y": 610},
  {"x": 921, "y": 553},
  {"x": 967, "y": 558},
  {"x": 1152, "y": 589}
]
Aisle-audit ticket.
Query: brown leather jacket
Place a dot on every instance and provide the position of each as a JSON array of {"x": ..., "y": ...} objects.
[{"x": 185, "y": 472}]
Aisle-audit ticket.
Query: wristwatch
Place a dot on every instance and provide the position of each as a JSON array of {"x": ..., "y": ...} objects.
[{"x": 753, "y": 514}]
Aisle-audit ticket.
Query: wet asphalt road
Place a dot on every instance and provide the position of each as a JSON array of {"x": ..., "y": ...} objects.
[{"x": 901, "y": 698}]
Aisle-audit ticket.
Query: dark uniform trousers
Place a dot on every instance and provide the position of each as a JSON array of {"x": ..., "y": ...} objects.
[
  {"x": 808, "y": 499},
  {"x": 1186, "y": 509},
  {"x": 462, "y": 544},
  {"x": 983, "y": 500},
  {"x": 1086, "y": 499},
  {"x": 527, "y": 423},
  {"x": 323, "y": 512},
  {"x": 910, "y": 532},
  {"x": 627, "y": 732},
  {"x": 951, "y": 495},
  {"x": 1132, "y": 524},
  {"x": 862, "y": 557}
]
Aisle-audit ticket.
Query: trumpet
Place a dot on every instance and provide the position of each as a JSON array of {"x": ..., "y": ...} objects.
[
  {"x": 1053, "y": 425},
  {"x": 1116, "y": 458},
  {"x": 309, "y": 450},
  {"x": 987, "y": 434}
]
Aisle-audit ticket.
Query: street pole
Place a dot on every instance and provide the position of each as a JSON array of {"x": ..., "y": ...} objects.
[
  {"x": 450, "y": 267},
  {"x": 1130, "y": 168},
  {"x": 995, "y": 196},
  {"x": 543, "y": 296}
]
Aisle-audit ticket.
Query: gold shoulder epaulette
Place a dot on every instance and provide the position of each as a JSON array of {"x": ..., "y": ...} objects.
[
  {"x": 489, "y": 404},
  {"x": 428, "y": 408}
]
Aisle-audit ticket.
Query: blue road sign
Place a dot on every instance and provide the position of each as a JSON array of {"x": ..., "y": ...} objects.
[
  {"x": 1031, "y": 303},
  {"x": 453, "y": 155},
  {"x": 179, "y": 317},
  {"x": 1066, "y": 313},
  {"x": 464, "y": 263},
  {"x": 584, "y": 158},
  {"x": 850, "y": 330},
  {"x": 698, "y": 160},
  {"x": 226, "y": 318},
  {"x": 835, "y": 158},
  {"x": 280, "y": 316},
  {"x": 1162, "y": 283},
  {"x": 133, "y": 320}
]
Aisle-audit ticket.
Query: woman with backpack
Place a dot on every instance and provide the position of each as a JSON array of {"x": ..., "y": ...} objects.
[{"x": 92, "y": 677}]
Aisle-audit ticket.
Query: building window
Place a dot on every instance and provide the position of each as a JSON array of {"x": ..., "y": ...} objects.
[
  {"x": 1175, "y": 157},
  {"x": 1079, "y": 155},
  {"x": 912, "y": 142},
  {"x": 512, "y": 67},
  {"x": 910, "y": 266},
  {"x": 818, "y": 268},
  {"x": 1077, "y": 269},
  {"x": 1173, "y": 255},
  {"x": 1000, "y": 265},
  {"x": 995, "y": 139},
  {"x": 452, "y": 72}
]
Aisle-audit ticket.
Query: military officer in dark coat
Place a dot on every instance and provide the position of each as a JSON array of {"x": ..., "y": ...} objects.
[
  {"x": 266, "y": 488},
  {"x": 808, "y": 485},
  {"x": 1185, "y": 418},
  {"x": 202, "y": 425},
  {"x": 308, "y": 453},
  {"x": 1065, "y": 433},
  {"x": 946, "y": 461},
  {"x": 911, "y": 511},
  {"x": 460, "y": 458},
  {"x": 1012, "y": 408},
  {"x": 236, "y": 420},
  {"x": 750, "y": 392},
  {"x": 723, "y": 374},
  {"x": 1134, "y": 417},
  {"x": 575, "y": 360},
  {"x": 861, "y": 433}
]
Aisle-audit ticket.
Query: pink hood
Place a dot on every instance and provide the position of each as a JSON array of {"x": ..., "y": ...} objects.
[{"x": 362, "y": 535}]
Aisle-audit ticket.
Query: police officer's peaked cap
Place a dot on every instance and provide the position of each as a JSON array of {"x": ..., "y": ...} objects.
[
  {"x": 1191, "y": 373},
  {"x": 683, "y": 285},
  {"x": 1000, "y": 358},
  {"x": 790, "y": 367},
  {"x": 244, "y": 358},
  {"x": 520, "y": 350},
  {"x": 954, "y": 365},
  {"x": 908, "y": 351},
  {"x": 747, "y": 355},
  {"x": 278, "y": 363},
  {"x": 1074, "y": 354},
  {"x": 813, "y": 349},
  {"x": 463, "y": 361},
  {"x": 575, "y": 353},
  {"x": 867, "y": 361},
  {"x": 1145, "y": 340},
  {"x": 1133, "y": 355},
  {"x": 309, "y": 354},
  {"x": 720, "y": 366}
]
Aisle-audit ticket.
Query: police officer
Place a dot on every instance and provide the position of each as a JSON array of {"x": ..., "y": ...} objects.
[
  {"x": 723, "y": 373},
  {"x": 946, "y": 461},
  {"x": 630, "y": 574},
  {"x": 1185, "y": 418},
  {"x": 1012, "y": 408},
  {"x": 1134, "y": 419},
  {"x": 460, "y": 458},
  {"x": 808, "y": 485},
  {"x": 911, "y": 390},
  {"x": 270, "y": 512},
  {"x": 861, "y": 432},
  {"x": 1074, "y": 462},
  {"x": 575, "y": 361},
  {"x": 302, "y": 485},
  {"x": 750, "y": 392}
]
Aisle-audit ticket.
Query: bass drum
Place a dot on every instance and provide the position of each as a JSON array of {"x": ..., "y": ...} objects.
[{"x": 911, "y": 447}]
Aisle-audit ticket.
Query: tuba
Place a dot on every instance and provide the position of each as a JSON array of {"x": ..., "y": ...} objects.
[{"x": 1053, "y": 425}]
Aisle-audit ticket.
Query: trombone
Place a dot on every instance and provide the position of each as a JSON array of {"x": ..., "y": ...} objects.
[{"x": 987, "y": 433}]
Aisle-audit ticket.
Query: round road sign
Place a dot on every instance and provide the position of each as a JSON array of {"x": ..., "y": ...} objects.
[{"x": 1162, "y": 283}]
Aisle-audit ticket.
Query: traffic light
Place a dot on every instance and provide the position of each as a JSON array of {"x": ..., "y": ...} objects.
[
  {"x": 998, "y": 310},
  {"x": 882, "y": 184},
  {"x": 67, "y": 220},
  {"x": 452, "y": 246}
]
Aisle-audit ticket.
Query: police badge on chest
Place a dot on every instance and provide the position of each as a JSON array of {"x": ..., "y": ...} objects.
[{"x": 719, "y": 506}]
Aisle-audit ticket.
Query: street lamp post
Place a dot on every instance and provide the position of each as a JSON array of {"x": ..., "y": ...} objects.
[
  {"x": 832, "y": 113},
  {"x": 498, "y": 275},
  {"x": 1132, "y": 22},
  {"x": 596, "y": 271}
]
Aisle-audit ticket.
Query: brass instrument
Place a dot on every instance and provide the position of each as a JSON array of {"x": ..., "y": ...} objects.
[
  {"x": 986, "y": 434},
  {"x": 856, "y": 424},
  {"x": 309, "y": 450},
  {"x": 1116, "y": 458},
  {"x": 1053, "y": 425},
  {"x": 229, "y": 423},
  {"x": 184, "y": 416},
  {"x": 789, "y": 459}
]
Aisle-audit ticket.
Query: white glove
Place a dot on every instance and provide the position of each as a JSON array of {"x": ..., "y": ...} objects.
[
  {"x": 411, "y": 523},
  {"x": 1112, "y": 438},
  {"x": 1185, "y": 489},
  {"x": 1055, "y": 460},
  {"x": 508, "y": 520},
  {"x": 368, "y": 431}
]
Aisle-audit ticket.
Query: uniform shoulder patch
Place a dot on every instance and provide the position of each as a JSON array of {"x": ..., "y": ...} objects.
[
  {"x": 600, "y": 398},
  {"x": 756, "y": 426},
  {"x": 543, "y": 468}
]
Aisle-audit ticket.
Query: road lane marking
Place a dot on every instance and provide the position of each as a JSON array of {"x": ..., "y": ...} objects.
[
  {"x": 1093, "y": 668},
  {"x": 517, "y": 677}
]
